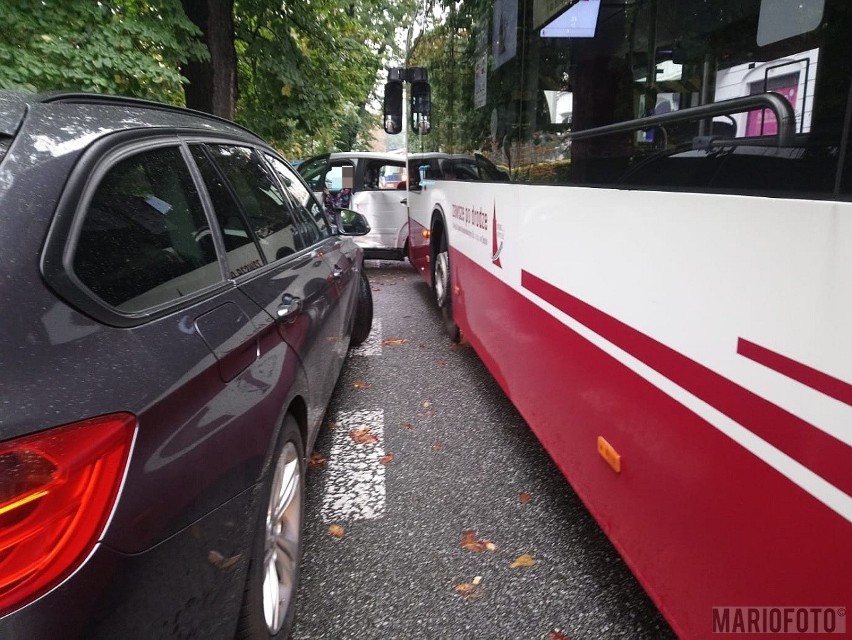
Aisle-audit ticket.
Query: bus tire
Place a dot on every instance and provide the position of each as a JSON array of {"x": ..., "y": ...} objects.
[{"x": 441, "y": 282}]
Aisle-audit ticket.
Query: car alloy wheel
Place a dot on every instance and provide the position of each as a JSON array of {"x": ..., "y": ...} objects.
[{"x": 283, "y": 532}]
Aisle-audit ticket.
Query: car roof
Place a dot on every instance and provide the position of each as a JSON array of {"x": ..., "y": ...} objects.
[
  {"x": 440, "y": 155},
  {"x": 13, "y": 106},
  {"x": 87, "y": 115},
  {"x": 369, "y": 155}
]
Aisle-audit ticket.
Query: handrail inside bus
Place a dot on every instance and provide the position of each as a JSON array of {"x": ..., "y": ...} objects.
[{"x": 779, "y": 105}]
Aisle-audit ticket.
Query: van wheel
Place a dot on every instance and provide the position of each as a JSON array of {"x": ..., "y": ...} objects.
[
  {"x": 363, "y": 312},
  {"x": 269, "y": 600},
  {"x": 441, "y": 280}
]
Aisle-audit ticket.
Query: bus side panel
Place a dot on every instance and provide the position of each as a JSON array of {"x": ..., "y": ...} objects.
[
  {"x": 700, "y": 520},
  {"x": 418, "y": 247},
  {"x": 619, "y": 315}
]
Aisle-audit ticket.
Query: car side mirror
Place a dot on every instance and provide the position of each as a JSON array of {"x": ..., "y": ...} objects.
[
  {"x": 392, "y": 107},
  {"x": 421, "y": 107},
  {"x": 353, "y": 223}
]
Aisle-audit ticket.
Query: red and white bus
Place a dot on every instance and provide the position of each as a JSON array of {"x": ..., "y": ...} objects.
[{"x": 664, "y": 290}]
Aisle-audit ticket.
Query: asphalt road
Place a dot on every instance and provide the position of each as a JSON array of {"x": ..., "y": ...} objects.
[{"x": 462, "y": 460}]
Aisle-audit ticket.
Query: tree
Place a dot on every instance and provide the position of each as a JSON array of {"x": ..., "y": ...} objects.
[
  {"x": 308, "y": 70},
  {"x": 115, "y": 46},
  {"x": 212, "y": 81},
  {"x": 301, "y": 73}
]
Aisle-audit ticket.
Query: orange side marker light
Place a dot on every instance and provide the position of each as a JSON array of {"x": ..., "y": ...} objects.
[
  {"x": 608, "y": 453},
  {"x": 426, "y": 233}
]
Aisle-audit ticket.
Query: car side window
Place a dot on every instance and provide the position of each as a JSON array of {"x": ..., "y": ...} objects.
[
  {"x": 380, "y": 175},
  {"x": 267, "y": 208},
  {"x": 144, "y": 240},
  {"x": 242, "y": 252},
  {"x": 303, "y": 199},
  {"x": 466, "y": 171}
]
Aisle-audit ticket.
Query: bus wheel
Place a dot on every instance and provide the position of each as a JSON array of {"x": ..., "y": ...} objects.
[{"x": 443, "y": 296}]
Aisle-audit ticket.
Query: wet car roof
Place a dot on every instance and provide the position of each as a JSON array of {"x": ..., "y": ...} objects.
[{"x": 87, "y": 115}]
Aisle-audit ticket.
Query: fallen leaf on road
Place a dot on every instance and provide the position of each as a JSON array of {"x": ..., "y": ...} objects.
[
  {"x": 524, "y": 497},
  {"x": 408, "y": 426},
  {"x": 467, "y": 590},
  {"x": 362, "y": 435},
  {"x": 477, "y": 580},
  {"x": 386, "y": 459},
  {"x": 525, "y": 560},
  {"x": 360, "y": 384},
  {"x": 332, "y": 425},
  {"x": 557, "y": 635},
  {"x": 336, "y": 531},
  {"x": 316, "y": 460},
  {"x": 438, "y": 446},
  {"x": 440, "y": 363},
  {"x": 470, "y": 542},
  {"x": 427, "y": 404},
  {"x": 393, "y": 342}
]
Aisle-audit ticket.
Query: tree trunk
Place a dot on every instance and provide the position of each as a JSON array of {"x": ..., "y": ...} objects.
[{"x": 213, "y": 83}]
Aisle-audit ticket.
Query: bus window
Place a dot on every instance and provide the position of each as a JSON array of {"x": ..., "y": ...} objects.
[{"x": 558, "y": 69}]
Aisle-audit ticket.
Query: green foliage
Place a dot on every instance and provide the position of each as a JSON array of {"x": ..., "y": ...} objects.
[
  {"x": 112, "y": 46},
  {"x": 448, "y": 51},
  {"x": 307, "y": 69}
]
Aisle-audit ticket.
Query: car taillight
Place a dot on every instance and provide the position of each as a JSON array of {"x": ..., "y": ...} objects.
[{"x": 57, "y": 490}]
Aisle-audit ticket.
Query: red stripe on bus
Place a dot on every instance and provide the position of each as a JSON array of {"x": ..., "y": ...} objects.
[
  {"x": 826, "y": 456},
  {"x": 808, "y": 376}
]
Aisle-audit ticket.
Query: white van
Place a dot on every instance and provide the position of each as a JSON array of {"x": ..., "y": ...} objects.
[{"x": 378, "y": 192}]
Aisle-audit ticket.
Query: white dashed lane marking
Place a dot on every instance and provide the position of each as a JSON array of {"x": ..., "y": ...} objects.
[
  {"x": 355, "y": 480},
  {"x": 372, "y": 346}
]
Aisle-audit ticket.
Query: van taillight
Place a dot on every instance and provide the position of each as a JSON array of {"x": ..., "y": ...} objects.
[{"x": 57, "y": 490}]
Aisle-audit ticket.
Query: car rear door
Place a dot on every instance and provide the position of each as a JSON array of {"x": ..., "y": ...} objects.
[
  {"x": 135, "y": 251},
  {"x": 294, "y": 282}
]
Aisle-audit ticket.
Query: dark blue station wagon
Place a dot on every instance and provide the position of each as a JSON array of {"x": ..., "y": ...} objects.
[{"x": 176, "y": 309}]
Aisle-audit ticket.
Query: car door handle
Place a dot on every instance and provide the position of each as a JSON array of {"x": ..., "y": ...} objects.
[
  {"x": 403, "y": 201},
  {"x": 337, "y": 273},
  {"x": 289, "y": 308}
]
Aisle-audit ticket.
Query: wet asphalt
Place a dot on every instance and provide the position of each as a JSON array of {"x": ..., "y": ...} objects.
[{"x": 463, "y": 459}]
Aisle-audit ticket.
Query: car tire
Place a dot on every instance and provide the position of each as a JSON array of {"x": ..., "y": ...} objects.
[
  {"x": 363, "y": 312},
  {"x": 269, "y": 599},
  {"x": 441, "y": 279}
]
